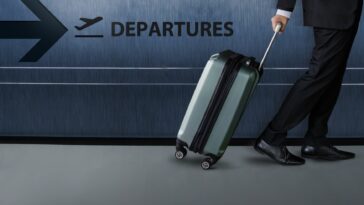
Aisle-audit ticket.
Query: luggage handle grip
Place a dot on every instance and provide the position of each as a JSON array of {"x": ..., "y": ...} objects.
[{"x": 276, "y": 31}]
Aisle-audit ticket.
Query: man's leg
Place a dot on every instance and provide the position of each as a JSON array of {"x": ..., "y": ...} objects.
[
  {"x": 320, "y": 114},
  {"x": 303, "y": 96},
  {"x": 326, "y": 65}
]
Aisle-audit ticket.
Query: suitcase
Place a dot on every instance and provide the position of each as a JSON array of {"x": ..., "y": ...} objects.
[{"x": 222, "y": 93}]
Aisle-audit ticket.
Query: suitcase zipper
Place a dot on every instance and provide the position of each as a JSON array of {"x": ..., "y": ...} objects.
[{"x": 213, "y": 110}]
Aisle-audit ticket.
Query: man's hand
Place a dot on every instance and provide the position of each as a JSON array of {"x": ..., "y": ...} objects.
[{"x": 279, "y": 19}]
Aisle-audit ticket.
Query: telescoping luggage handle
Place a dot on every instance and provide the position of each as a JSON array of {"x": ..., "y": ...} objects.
[{"x": 276, "y": 31}]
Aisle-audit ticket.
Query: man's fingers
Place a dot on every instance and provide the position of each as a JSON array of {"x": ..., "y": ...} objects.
[
  {"x": 279, "y": 19},
  {"x": 283, "y": 27},
  {"x": 274, "y": 23}
]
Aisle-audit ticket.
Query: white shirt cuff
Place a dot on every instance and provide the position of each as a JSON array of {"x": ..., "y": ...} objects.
[{"x": 284, "y": 13}]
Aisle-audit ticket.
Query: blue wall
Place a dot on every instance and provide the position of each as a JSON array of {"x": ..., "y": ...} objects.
[
  {"x": 251, "y": 25},
  {"x": 141, "y": 86}
]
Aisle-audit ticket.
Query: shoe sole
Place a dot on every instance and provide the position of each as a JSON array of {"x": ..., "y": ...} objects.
[{"x": 325, "y": 158}]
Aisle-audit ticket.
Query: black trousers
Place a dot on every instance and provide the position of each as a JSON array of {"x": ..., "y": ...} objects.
[{"x": 316, "y": 92}]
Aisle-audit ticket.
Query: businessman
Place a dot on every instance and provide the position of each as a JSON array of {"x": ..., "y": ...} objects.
[{"x": 335, "y": 24}]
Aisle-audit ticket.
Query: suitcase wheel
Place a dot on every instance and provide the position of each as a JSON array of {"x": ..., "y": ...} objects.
[
  {"x": 207, "y": 163},
  {"x": 180, "y": 153}
]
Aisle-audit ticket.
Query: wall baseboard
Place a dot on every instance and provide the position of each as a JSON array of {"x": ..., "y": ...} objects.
[{"x": 148, "y": 141}]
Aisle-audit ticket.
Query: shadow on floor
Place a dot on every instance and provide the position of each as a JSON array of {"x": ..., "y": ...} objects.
[
  {"x": 195, "y": 161},
  {"x": 260, "y": 161}
]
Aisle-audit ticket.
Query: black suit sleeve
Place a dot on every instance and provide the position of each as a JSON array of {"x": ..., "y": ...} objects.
[{"x": 287, "y": 5}]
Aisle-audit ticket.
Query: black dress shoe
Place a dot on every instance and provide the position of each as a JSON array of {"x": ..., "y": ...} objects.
[
  {"x": 279, "y": 154},
  {"x": 325, "y": 152}
]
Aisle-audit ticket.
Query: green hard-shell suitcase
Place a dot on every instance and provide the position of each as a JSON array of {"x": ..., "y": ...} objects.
[{"x": 222, "y": 93}]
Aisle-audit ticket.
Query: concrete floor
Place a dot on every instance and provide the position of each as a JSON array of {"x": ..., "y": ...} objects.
[{"x": 131, "y": 175}]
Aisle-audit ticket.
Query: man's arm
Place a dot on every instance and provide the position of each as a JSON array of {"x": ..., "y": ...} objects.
[
  {"x": 286, "y": 5},
  {"x": 284, "y": 13},
  {"x": 285, "y": 9}
]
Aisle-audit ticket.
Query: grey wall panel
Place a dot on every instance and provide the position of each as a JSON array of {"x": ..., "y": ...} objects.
[
  {"x": 98, "y": 87},
  {"x": 251, "y": 25},
  {"x": 143, "y": 102},
  {"x": 146, "y": 75},
  {"x": 92, "y": 111}
]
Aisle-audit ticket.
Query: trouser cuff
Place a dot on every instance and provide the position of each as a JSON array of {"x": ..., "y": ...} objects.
[{"x": 273, "y": 137}]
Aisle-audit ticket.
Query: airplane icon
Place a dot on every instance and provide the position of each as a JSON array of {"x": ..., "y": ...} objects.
[{"x": 88, "y": 22}]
